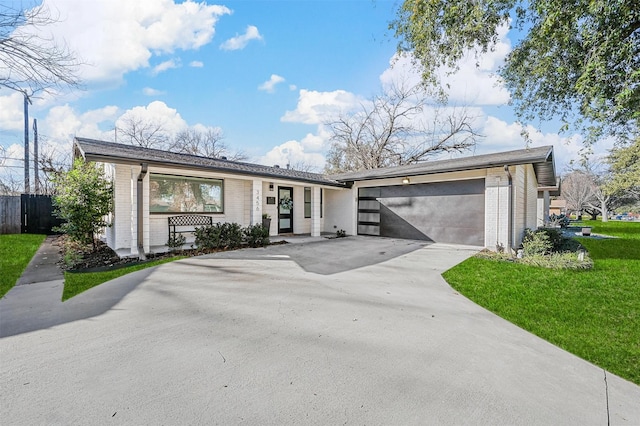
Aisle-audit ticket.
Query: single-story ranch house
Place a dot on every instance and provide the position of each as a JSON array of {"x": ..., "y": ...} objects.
[{"x": 484, "y": 200}]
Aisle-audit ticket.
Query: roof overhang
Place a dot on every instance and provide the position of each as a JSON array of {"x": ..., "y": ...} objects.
[
  {"x": 115, "y": 157},
  {"x": 541, "y": 158}
]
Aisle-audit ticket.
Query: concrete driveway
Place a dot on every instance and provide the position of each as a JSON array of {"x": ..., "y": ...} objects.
[{"x": 279, "y": 336}]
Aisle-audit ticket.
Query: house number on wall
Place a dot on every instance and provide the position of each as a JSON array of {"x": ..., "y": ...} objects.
[{"x": 258, "y": 200}]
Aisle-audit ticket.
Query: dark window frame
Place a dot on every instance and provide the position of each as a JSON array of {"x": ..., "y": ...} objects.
[
  {"x": 308, "y": 203},
  {"x": 187, "y": 178}
]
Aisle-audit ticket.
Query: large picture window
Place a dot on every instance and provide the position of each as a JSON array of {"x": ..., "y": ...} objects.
[{"x": 180, "y": 194}]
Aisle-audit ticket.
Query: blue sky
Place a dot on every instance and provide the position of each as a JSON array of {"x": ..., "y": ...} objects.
[{"x": 267, "y": 73}]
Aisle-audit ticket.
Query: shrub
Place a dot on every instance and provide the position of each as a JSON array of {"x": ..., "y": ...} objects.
[
  {"x": 208, "y": 237},
  {"x": 536, "y": 243},
  {"x": 175, "y": 242},
  {"x": 256, "y": 235},
  {"x": 341, "y": 233},
  {"x": 560, "y": 220},
  {"x": 83, "y": 199},
  {"x": 558, "y": 261},
  {"x": 231, "y": 235},
  {"x": 219, "y": 236}
]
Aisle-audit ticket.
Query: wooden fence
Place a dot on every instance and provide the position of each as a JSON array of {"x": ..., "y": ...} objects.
[
  {"x": 10, "y": 214},
  {"x": 27, "y": 214},
  {"x": 37, "y": 214}
]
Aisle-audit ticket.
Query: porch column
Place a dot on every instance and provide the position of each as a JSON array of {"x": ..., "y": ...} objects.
[
  {"x": 315, "y": 211},
  {"x": 545, "y": 208},
  {"x": 256, "y": 202}
]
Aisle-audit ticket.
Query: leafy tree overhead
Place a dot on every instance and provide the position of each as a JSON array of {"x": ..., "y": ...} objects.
[
  {"x": 577, "y": 60},
  {"x": 83, "y": 199},
  {"x": 624, "y": 162}
]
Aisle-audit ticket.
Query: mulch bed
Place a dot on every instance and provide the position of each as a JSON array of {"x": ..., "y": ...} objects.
[{"x": 81, "y": 258}]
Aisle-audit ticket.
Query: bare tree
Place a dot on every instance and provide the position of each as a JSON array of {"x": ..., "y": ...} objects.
[
  {"x": 29, "y": 61},
  {"x": 578, "y": 189},
  {"x": 391, "y": 130},
  {"x": 303, "y": 166},
  {"x": 205, "y": 143},
  {"x": 10, "y": 184},
  {"x": 51, "y": 162},
  {"x": 135, "y": 130}
]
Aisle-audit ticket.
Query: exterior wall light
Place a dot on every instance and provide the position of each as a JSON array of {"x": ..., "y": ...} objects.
[
  {"x": 270, "y": 186},
  {"x": 405, "y": 181}
]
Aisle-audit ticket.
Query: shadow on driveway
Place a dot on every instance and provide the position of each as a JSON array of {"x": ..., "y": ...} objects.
[
  {"x": 37, "y": 305},
  {"x": 332, "y": 256}
]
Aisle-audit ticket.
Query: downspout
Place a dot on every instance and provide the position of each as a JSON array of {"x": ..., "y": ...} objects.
[
  {"x": 510, "y": 210},
  {"x": 140, "y": 196}
]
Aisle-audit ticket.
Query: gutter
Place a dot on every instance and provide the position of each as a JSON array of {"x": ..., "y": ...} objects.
[
  {"x": 139, "y": 193},
  {"x": 510, "y": 210}
]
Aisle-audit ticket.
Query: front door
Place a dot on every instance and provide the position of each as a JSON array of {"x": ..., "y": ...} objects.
[{"x": 285, "y": 210}]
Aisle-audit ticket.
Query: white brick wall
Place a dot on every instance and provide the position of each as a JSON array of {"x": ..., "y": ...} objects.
[
  {"x": 532, "y": 198},
  {"x": 340, "y": 205},
  {"x": 122, "y": 228},
  {"x": 316, "y": 220},
  {"x": 270, "y": 209},
  {"x": 520, "y": 204},
  {"x": 300, "y": 224},
  {"x": 340, "y": 210},
  {"x": 496, "y": 209}
]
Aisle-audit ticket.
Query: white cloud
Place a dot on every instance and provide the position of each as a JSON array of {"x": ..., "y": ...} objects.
[
  {"x": 293, "y": 87},
  {"x": 157, "y": 112},
  {"x": 503, "y": 136},
  {"x": 317, "y": 107},
  {"x": 293, "y": 153},
  {"x": 164, "y": 66},
  {"x": 475, "y": 83},
  {"x": 150, "y": 91},
  {"x": 63, "y": 123},
  {"x": 241, "y": 41},
  {"x": 114, "y": 37},
  {"x": 11, "y": 111},
  {"x": 309, "y": 151},
  {"x": 196, "y": 64},
  {"x": 269, "y": 85}
]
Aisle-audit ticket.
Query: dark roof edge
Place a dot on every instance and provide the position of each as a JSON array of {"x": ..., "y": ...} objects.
[
  {"x": 171, "y": 164},
  {"x": 480, "y": 166}
]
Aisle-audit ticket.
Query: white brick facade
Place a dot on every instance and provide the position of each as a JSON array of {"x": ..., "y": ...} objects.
[{"x": 244, "y": 199}]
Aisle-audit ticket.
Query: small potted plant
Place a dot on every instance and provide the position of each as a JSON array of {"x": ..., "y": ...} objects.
[{"x": 266, "y": 220}]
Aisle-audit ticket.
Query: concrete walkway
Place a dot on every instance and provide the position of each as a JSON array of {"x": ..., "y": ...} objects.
[{"x": 259, "y": 338}]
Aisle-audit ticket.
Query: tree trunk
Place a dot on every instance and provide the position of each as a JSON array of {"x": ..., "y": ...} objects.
[{"x": 605, "y": 212}]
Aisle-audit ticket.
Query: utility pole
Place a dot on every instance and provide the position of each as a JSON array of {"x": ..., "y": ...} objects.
[
  {"x": 27, "y": 101},
  {"x": 36, "y": 178}
]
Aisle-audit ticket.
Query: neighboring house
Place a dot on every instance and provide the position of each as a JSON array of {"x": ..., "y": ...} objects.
[
  {"x": 558, "y": 207},
  {"x": 484, "y": 200}
]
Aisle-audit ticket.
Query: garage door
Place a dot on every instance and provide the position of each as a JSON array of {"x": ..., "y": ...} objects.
[{"x": 448, "y": 212}]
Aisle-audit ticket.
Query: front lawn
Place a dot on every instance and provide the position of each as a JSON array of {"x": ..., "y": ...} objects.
[
  {"x": 77, "y": 282},
  {"x": 16, "y": 251},
  {"x": 594, "y": 314}
]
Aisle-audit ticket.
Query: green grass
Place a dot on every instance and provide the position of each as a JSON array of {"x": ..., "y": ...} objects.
[
  {"x": 16, "y": 250},
  {"x": 77, "y": 282},
  {"x": 594, "y": 314}
]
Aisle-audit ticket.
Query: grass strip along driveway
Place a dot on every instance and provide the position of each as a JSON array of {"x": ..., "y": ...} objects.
[
  {"x": 16, "y": 251},
  {"x": 77, "y": 282},
  {"x": 594, "y": 314}
]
